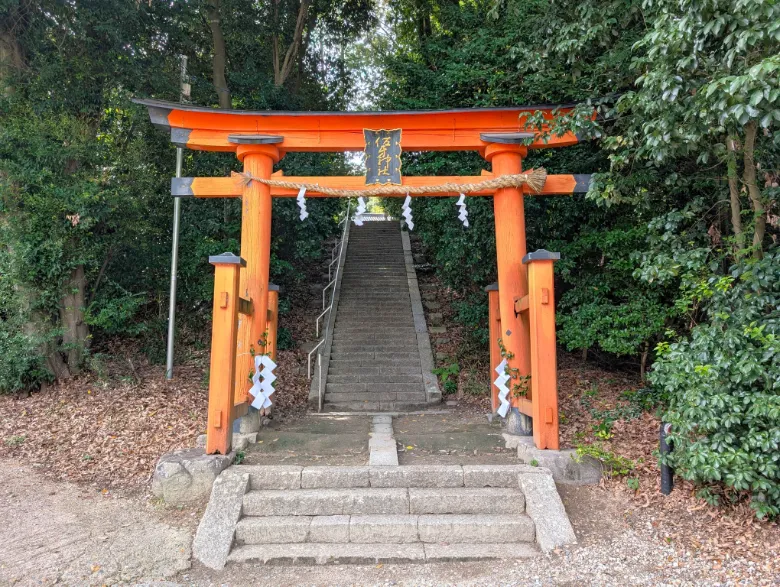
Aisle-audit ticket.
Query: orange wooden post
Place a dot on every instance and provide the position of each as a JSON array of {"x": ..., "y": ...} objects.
[
  {"x": 224, "y": 333},
  {"x": 256, "y": 249},
  {"x": 510, "y": 249},
  {"x": 494, "y": 332},
  {"x": 544, "y": 370},
  {"x": 273, "y": 320}
]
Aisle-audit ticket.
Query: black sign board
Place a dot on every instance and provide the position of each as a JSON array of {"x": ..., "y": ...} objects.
[{"x": 383, "y": 156}]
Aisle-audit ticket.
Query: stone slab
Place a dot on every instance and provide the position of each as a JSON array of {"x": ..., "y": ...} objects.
[
  {"x": 326, "y": 502},
  {"x": 383, "y": 529},
  {"x": 383, "y": 458},
  {"x": 478, "y": 529},
  {"x": 418, "y": 476},
  {"x": 545, "y": 508},
  {"x": 274, "y": 476},
  {"x": 562, "y": 464},
  {"x": 217, "y": 527},
  {"x": 273, "y": 529},
  {"x": 320, "y": 554},
  {"x": 458, "y": 500},
  {"x": 329, "y": 529},
  {"x": 440, "y": 553},
  {"x": 333, "y": 477},
  {"x": 493, "y": 475}
]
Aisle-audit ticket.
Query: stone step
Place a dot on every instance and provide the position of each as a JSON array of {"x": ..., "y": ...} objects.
[
  {"x": 374, "y": 378},
  {"x": 374, "y": 388},
  {"x": 369, "y": 347},
  {"x": 388, "y": 330},
  {"x": 381, "y": 362},
  {"x": 403, "y": 476},
  {"x": 374, "y": 356},
  {"x": 381, "y": 322},
  {"x": 353, "y": 369},
  {"x": 326, "y": 502},
  {"x": 374, "y": 554},
  {"x": 371, "y": 407},
  {"x": 416, "y": 397},
  {"x": 389, "y": 529},
  {"x": 378, "y": 340},
  {"x": 379, "y": 501}
]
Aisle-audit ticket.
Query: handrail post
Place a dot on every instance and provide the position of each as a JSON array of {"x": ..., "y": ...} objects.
[
  {"x": 224, "y": 336},
  {"x": 494, "y": 332},
  {"x": 544, "y": 372},
  {"x": 273, "y": 321}
]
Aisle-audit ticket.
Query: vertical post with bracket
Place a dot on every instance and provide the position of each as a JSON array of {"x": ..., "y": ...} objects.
[
  {"x": 544, "y": 373},
  {"x": 224, "y": 336}
]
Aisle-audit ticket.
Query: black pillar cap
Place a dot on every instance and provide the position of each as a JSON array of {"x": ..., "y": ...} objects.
[
  {"x": 227, "y": 259},
  {"x": 273, "y": 287},
  {"x": 506, "y": 138},
  {"x": 541, "y": 255},
  {"x": 492, "y": 287},
  {"x": 181, "y": 187},
  {"x": 180, "y": 136},
  {"x": 238, "y": 139}
]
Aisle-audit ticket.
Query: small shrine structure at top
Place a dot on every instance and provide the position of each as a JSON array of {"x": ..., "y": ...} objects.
[{"x": 522, "y": 305}]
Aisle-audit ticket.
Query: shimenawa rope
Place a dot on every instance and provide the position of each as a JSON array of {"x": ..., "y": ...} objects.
[{"x": 533, "y": 179}]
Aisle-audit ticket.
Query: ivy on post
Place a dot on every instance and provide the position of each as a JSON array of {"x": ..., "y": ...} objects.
[{"x": 224, "y": 336}]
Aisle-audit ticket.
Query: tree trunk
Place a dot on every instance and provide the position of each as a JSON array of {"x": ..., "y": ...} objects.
[
  {"x": 12, "y": 59},
  {"x": 756, "y": 199},
  {"x": 219, "y": 61},
  {"x": 76, "y": 332},
  {"x": 282, "y": 69},
  {"x": 643, "y": 363},
  {"x": 736, "y": 207}
]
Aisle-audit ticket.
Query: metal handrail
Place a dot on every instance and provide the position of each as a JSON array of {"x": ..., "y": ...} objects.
[
  {"x": 327, "y": 287},
  {"x": 308, "y": 365},
  {"x": 320, "y": 316},
  {"x": 339, "y": 246}
]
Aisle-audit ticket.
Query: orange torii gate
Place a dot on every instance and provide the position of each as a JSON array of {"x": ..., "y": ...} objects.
[{"x": 522, "y": 314}]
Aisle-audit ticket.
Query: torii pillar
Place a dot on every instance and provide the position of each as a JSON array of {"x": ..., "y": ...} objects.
[
  {"x": 511, "y": 247},
  {"x": 259, "y": 160}
]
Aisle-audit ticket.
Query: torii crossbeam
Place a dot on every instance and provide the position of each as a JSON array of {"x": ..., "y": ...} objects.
[{"x": 524, "y": 307}]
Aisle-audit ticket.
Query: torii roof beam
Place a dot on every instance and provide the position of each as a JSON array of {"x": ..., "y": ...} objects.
[
  {"x": 469, "y": 129},
  {"x": 230, "y": 187}
]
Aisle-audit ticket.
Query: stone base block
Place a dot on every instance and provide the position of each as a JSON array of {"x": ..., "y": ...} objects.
[
  {"x": 186, "y": 476},
  {"x": 560, "y": 462},
  {"x": 248, "y": 423}
]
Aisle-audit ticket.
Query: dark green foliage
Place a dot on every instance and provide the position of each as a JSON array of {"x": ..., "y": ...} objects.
[
  {"x": 723, "y": 386},
  {"x": 84, "y": 177}
]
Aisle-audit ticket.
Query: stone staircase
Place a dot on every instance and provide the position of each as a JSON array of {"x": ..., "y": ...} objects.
[
  {"x": 374, "y": 361},
  {"x": 367, "y": 515}
]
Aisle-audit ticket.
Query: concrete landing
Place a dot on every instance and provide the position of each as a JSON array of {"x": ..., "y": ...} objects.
[{"x": 313, "y": 440}]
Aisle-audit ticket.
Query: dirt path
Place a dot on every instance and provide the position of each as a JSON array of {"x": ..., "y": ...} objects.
[{"x": 60, "y": 533}]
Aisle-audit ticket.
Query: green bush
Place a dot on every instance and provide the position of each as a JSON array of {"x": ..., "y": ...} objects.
[{"x": 724, "y": 387}]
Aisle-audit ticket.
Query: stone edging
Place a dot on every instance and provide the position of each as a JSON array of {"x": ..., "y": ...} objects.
[
  {"x": 430, "y": 382},
  {"x": 217, "y": 527},
  {"x": 544, "y": 506},
  {"x": 328, "y": 325}
]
